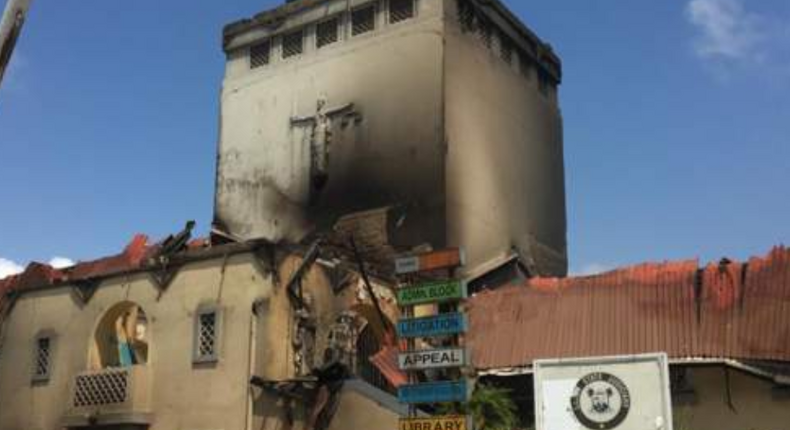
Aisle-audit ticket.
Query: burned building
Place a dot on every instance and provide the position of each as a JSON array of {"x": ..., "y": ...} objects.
[
  {"x": 181, "y": 334},
  {"x": 444, "y": 112},
  {"x": 405, "y": 124}
]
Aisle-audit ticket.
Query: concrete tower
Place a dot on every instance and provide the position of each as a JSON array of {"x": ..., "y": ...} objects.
[{"x": 445, "y": 109}]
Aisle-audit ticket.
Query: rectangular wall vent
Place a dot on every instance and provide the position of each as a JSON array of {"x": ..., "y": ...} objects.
[
  {"x": 260, "y": 54},
  {"x": 293, "y": 44},
  {"x": 363, "y": 20},
  {"x": 327, "y": 32},
  {"x": 401, "y": 10}
]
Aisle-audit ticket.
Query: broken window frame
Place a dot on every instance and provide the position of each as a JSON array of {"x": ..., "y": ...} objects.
[
  {"x": 288, "y": 47},
  {"x": 318, "y": 27},
  {"x": 355, "y": 13},
  {"x": 198, "y": 355},
  {"x": 260, "y": 54},
  {"x": 408, "y": 12},
  {"x": 43, "y": 351}
]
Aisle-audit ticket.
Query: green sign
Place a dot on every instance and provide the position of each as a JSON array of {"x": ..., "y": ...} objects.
[{"x": 432, "y": 292}]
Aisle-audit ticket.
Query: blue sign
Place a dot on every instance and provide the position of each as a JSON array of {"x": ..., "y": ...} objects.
[
  {"x": 435, "y": 392},
  {"x": 440, "y": 325}
]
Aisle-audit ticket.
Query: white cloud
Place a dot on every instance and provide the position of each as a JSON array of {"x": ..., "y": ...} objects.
[
  {"x": 592, "y": 269},
  {"x": 61, "y": 262},
  {"x": 727, "y": 30},
  {"x": 8, "y": 268}
]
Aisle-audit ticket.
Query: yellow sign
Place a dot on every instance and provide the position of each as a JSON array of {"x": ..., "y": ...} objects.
[{"x": 434, "y": 423}]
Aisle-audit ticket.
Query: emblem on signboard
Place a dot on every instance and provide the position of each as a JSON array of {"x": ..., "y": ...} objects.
[{"x": 601, "y": 401}]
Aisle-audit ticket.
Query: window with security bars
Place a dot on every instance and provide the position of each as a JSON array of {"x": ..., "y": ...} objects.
[
  {"x": 401, "y": 10},
  {"x": 43, "y": 359},
  {"x": 363, "y": 20},
  {"x": 293, "y": 44},
  {"x": 207, "y": 335},
  {"x": 327, "y": 32},
  {"x": 260, "y": 54}
]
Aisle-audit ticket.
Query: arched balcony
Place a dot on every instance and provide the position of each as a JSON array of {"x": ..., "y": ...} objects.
[{"x": 114, "y": 393}]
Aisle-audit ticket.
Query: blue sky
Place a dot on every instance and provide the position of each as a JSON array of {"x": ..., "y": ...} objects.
[{"x": 677, "y": 125}]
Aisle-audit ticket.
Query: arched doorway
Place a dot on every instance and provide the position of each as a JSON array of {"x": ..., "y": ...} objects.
[{"x": 121, "y": 338}]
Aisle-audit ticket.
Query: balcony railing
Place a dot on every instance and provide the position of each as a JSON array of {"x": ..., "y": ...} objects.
[{"x": 110, "y": 396}]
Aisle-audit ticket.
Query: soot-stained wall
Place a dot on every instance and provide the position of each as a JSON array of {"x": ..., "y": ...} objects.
[
  {"x": 385, "y": 143},
  {"x": 424, "y": 114}
]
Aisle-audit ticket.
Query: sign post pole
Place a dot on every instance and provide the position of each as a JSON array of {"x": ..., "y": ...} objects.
[{"x": 441, "y": 331}]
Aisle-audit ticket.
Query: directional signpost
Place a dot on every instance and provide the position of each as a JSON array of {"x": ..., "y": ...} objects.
[
  {"x": 432, "y": 292},
  {"x": 440, "y": 325},
  {"x": 433, "y": 359},
  {"x": 447, "y": 259},
  {"x": 434, "y": 392},
  {"x": 447, "y": 326}
]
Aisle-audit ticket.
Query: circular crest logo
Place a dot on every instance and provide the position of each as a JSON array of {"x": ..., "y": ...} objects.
[{"x": 601, "y": 401}]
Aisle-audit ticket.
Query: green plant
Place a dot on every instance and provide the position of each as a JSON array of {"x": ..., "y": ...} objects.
[{"x": 491, "y": 408}]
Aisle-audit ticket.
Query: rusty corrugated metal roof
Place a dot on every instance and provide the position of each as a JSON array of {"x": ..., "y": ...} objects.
[
  {"x": 728, "y": 310},
  {"x": 40, "y": 275},
  {"x": 387, "y": 363}
]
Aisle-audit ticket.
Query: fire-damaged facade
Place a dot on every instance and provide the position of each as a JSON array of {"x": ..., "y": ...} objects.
[
  {"x": 351, "y": 131},
  {"x": 181, "y": 334},
  {"x": 444, "y": 111}
]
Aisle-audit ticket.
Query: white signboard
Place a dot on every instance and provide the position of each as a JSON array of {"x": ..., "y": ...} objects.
[
  {"x": 610, "y": 393},
  {"x": 433, "y": 359}
]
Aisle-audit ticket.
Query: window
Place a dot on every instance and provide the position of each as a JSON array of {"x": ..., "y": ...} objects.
[
  {"x": 401, "y": 10},
  {"x": 208, "y": 326},
  {"x": 42, "y": 356},
  {"x": 327, "y": 32},
  {"x": 363, "y": 20},
  {"x": 260, "y": 54},
  {"x": 293, "y": 44}
]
